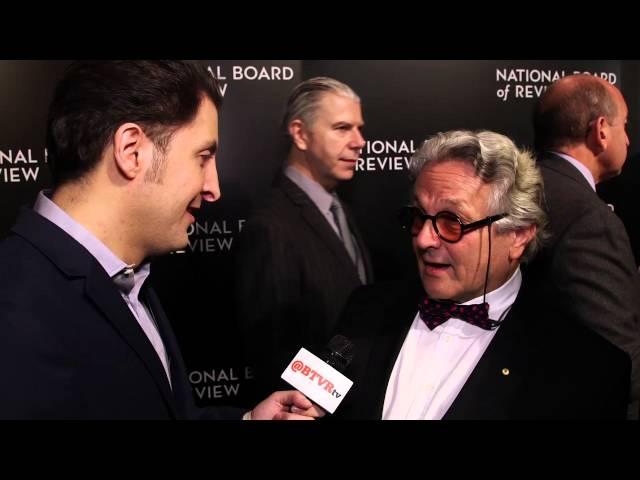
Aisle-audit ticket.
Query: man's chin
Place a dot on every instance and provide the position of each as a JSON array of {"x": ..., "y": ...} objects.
[
  {"x": 180, "y": 245},
  {"x": 436, "y": 291},
  {"x": 345, "y": 174}
]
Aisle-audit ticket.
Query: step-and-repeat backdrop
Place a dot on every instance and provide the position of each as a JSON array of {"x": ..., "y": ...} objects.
[{"x": 403, "y": 102}]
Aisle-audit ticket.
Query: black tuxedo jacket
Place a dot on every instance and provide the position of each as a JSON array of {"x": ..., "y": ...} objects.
[{"x": 557, "y": 369}]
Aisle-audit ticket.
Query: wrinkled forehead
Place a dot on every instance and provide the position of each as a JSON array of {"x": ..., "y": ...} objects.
[{"x": 452, "y": 185}]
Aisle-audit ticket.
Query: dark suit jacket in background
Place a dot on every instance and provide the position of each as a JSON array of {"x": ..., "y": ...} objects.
[
  {"x": 70, "y": 348},
  {"x": 587, "y": 270},
  {"x": 557, "y": 369},
  {"x": 292, "y": 279}
]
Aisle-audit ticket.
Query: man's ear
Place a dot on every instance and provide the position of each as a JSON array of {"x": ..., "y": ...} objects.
[
  {"x": 598, "y": 136},
  {"x": 128, "y": 143},
  {"x": 521, "y": 238},
  {"x": 299, "y": 134}
]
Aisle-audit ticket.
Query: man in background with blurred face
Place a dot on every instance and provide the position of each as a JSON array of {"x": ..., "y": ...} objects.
[{"x": 301, "y": 253}]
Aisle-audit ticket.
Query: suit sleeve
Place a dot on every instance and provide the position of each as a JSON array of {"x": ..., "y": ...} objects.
[{"x": 594, "y": 272}]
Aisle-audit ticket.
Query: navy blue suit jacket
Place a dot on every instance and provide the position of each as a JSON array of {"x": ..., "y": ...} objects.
[{"x": 70, "y": 347}]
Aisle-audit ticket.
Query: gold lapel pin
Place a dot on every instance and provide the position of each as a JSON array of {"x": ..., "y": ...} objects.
[{"x": 505, "y": 372}]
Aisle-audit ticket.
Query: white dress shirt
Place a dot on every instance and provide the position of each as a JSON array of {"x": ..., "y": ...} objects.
[{"x": 433, "y": 365}]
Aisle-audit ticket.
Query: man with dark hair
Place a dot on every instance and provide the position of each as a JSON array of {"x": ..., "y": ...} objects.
[
  {"x": 132, "y": 145},
  {"x": 587, "y": 270},
  {"x": 301, "y": 253}
]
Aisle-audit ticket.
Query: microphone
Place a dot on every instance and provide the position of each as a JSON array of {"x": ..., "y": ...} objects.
[
  {"x": 338, "y": 353},
  {"x": 321, "y": 378}
]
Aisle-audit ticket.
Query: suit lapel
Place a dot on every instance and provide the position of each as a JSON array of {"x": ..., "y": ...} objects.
[
  {"x": 180, "y": 382},
  {"x": 564, "y": 168},
  {"x": 314, "y": 218},
  {"x": 76, "y": 262},
  {"x": 101, "y": 290}
]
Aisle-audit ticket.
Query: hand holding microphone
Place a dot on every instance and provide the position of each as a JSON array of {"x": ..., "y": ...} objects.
[
  {"x": 285, "y": 405},
  {"x": 321, "y": 379},
  {"x": 318, "y": 379}
]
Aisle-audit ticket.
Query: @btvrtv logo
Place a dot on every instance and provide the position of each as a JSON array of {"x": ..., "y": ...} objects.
[{"x": 319, "y": 381}]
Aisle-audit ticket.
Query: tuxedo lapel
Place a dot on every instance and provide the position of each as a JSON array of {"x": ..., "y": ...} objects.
[
  {"x": 490, "y": 390},
  {"x": 384, "y": 350}
]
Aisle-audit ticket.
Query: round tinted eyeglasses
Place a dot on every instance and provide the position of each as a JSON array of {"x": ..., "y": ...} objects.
[{"x": 447, "y": 225}]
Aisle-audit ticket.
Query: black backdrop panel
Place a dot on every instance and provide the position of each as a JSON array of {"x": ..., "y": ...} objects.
[{"x": 404, "y": 101}]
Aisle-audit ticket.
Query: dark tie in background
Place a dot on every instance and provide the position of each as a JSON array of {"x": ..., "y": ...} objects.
[{"x": 347, "y": 238}]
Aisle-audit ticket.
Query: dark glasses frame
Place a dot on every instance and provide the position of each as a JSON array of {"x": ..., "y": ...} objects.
[{"x": 410, "y": 212}]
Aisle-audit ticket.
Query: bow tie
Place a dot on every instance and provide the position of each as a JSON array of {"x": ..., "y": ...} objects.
[{"x": 434, "y": 313}]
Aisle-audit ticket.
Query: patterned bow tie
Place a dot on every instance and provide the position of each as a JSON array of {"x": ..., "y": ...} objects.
[{"x": 434, "y": 313}]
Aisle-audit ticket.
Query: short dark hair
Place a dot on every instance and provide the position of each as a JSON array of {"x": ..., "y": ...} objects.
[
  {"x": 95, "y": 97},
  {"x": 562, "y": 116}
]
